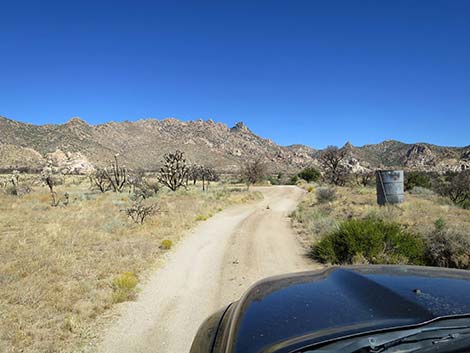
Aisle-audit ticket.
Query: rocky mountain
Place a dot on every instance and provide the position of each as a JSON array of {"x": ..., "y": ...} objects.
[{"x": 77, "y": 147}]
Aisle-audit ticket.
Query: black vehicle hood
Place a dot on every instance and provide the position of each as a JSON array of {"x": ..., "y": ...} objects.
[{"x": 285, "y": 313}]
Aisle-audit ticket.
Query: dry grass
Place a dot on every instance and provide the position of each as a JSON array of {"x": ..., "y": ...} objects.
[
  {"x": 62, "y": 268},
  {"x": 417, "y": 214}
]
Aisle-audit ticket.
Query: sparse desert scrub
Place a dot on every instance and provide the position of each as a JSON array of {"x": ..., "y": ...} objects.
[
  {"x": 325, "y": 194},
  {"x": 58, "y": 265},
  {"x": 417, "y": 216}
]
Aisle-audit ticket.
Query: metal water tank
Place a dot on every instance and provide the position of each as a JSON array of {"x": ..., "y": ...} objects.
[{"x": 390, "y": 186}]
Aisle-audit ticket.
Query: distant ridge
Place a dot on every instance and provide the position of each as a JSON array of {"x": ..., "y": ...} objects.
[{"x": 141, "y": 144}]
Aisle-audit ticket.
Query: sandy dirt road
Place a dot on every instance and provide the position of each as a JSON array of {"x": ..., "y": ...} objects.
[{"x": 210, "y": 268}]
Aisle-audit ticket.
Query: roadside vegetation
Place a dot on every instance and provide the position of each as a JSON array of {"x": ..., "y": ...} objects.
[
  {"x": 72, "y": 247},
  {"x": 339, "y": 221}
]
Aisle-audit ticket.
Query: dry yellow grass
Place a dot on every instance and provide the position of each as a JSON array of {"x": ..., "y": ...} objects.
[
  {"x": 59, "y": 265},
  {"x": 418, "y": 213}
]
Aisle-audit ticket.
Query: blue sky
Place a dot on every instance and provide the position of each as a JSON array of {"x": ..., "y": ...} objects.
[{"x": 311, "y": 72}]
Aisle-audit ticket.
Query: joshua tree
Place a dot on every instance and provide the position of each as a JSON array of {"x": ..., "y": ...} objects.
[
  {"x": 47, "y": 175},
  {"x": 194, "y": 173},
  {"x": 15, "y": 178},
  {"x": 253, "y": 172},
  {"x": 116, "y": 175},
  {"x": 331, "y": 161},
  {"x": 175, "y": 171},
  {"x": 364, "y": 178}
]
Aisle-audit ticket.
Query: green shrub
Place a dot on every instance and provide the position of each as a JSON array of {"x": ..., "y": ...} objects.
[
  {"x": 124, "y": 287},
  {"x": 293, "y": 180},
  {"x": 373, "y": 240},
  {"x": 326, "y": 194},
  {"x": 310, "y": 174},
  {"x": 414, "y": 179}
]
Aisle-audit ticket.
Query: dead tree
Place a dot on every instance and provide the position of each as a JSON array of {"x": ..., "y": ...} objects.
[
  {"x": 174, "y": 172},
  {"x": 100, "y": 179},
  {"x": 457, "y": 188},
  {"x": 253, "y": 172},
  {"x": 116, "y": 175},
  {"x": 138, "y": 211},
  {"x": 331, "y": 160}
]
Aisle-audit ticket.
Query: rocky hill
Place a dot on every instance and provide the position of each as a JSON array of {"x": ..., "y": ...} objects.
[{"x": 77, "y": 146}]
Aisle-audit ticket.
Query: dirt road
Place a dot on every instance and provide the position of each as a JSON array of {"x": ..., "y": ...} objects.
[{"x": 210, "y": 268}]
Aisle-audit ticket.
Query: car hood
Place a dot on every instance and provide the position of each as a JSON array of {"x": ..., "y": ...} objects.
[{"x": 286, "y": 313}]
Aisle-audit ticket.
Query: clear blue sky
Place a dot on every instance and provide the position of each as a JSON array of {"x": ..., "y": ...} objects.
[{"x": 312, "y": 72}]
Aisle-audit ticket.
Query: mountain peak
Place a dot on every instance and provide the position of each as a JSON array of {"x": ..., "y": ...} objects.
[
  {"x": 76, "y": 120},
  {"x": 240, "y": 126}
]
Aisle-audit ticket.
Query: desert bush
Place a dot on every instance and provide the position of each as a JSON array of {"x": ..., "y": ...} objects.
[
  {"x": 145, "y": 190},
  {"x": 315, "y": 220},
  {"x": 417, "y": 179},
  {"x": 138, "y": 212},
  {"x": 279, "y": 179},
  {"x": 166, "y": 244},
  {"x": 310, "y": 174},
  {"x": 310, "y": 188},
  {"x": 457, "y": 188},
  {"x": 203, "y": 217},
  {"x": 124, "y": 287},
  {"x": 374, "y": 240},
  {"x": 293, "y": 180},
  {"x": 418, "y": 190},
  {"x": 446, "y": 248},
  {"x": 13, "y": 186},
  {"x": 326, "y": 194},
  {"x": 253, "y": 171}
]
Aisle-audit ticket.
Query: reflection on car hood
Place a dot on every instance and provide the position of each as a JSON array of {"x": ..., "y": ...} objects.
[{"x": 289, "y": 312}]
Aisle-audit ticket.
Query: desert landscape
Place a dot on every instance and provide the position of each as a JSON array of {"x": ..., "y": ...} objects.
[
  {"x": 107, "y": 240},
  {"x": 234, "y": 176}
]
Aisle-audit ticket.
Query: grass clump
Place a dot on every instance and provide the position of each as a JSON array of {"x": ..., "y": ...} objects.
[
  {"x": 166, "y": 244},
  {"x": 326, "y": 194},
  {"x": 203, "y": 217},
  {"x": 371, "y": 240},
  {"x": 124, "y": 287}
]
